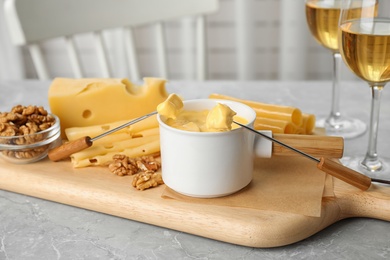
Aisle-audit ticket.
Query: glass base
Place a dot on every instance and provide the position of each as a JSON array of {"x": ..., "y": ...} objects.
[
  {"x": 378, "y": 170},
  {"x": 345, "y": 127}
]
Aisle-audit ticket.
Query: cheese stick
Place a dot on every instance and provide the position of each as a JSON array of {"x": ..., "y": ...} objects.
[
  {"x": 276, "y": 126},
  {"x": 74, "y": 133},
  {"x": 279, "y": 112},
  {"x": 104, "y": 159},
  {"x": 308, "y": 123},
  {"x": 147, "y": 132},
  {"x": 114, "y": 147}
]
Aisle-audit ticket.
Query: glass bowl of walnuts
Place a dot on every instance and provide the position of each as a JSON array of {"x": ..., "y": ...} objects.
[{"x": 27, "y": 133}]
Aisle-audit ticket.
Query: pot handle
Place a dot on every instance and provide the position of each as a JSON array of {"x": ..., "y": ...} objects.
[
  {"x": 262, "y": 146},
  {"x": 315, "y": 145}
]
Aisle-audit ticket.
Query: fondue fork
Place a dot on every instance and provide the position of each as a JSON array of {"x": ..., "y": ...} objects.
[
  {"x": 330, "y": 146},
  {"x": 333, "y": 168}
]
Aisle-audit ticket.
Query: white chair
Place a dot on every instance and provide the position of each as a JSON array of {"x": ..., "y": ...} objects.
[{"x": 33, "y": 21}]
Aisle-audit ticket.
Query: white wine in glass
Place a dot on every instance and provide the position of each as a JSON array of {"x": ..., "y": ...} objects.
[
  {"x": 323, "y": 19},
  {"x": 365, "y": 48}
]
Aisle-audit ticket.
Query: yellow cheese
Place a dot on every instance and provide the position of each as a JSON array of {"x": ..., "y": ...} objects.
[
  {"x": 220, "y": 118},
  {"x": 170, "y": 107},
  {"x": 103, "y": 155},
  {"x": 86, "y": 102},
  {"x": 74, "y": 133},
  {"x": 309, "y": 123},
  {"x": 275, "y": 125},
  {"x": 279, "y": 112}
]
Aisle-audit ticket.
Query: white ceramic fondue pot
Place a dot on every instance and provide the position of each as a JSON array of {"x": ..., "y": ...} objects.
[{"x": 210, "y": 164}]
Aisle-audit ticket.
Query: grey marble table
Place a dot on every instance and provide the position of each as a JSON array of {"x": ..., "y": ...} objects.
[{"x": 32, "y": 228}]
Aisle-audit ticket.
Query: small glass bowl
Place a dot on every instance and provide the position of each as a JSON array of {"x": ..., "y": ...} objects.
[{"x": 34, "y": 147}]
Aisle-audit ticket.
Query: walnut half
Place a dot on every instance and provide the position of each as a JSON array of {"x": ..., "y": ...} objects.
[
  {"x": 146, "y": 180},
  {"x": 122, "y": 165}
]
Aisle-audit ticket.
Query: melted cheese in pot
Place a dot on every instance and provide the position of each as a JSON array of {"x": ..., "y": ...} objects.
[{"x": 218, "y": 119}]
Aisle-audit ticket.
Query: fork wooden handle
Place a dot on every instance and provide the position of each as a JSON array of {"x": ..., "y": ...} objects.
[
  {"x": 67, "y": 149},
  {"x": 344, "y": 173}
]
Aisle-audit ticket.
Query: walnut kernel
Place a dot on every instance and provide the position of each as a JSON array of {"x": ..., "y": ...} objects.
[{"x": 146, "y": 180}]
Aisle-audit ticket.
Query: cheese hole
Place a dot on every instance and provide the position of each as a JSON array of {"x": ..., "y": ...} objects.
[
  {"x": 105, "y": 127},
  {"x": 87, "y": 113},
  {"x": 93, "y": 161},
  {"x": 108, "y": 146}
]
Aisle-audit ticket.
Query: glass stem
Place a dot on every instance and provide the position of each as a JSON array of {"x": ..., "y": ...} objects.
[
  {"x": 335, "y": 109},
  {"x": 371, "y": 161}
]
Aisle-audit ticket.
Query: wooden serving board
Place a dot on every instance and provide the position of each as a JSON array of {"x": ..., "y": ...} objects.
[{"x": 97, "y": 189}]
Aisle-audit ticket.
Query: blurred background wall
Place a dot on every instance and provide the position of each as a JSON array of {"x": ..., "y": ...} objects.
[{"x": 247, "y": 40}]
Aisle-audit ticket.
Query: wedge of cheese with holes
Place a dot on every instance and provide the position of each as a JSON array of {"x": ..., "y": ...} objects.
[{"x": 93, "y": 101}]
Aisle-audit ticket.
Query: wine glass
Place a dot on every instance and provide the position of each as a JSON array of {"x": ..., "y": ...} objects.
[
  {"x": 364, "y": 40},
  {"x": 322, "y": 18}
]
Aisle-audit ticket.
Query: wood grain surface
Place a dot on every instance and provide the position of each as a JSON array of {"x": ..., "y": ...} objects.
[{"x": 99, "y": 190}]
